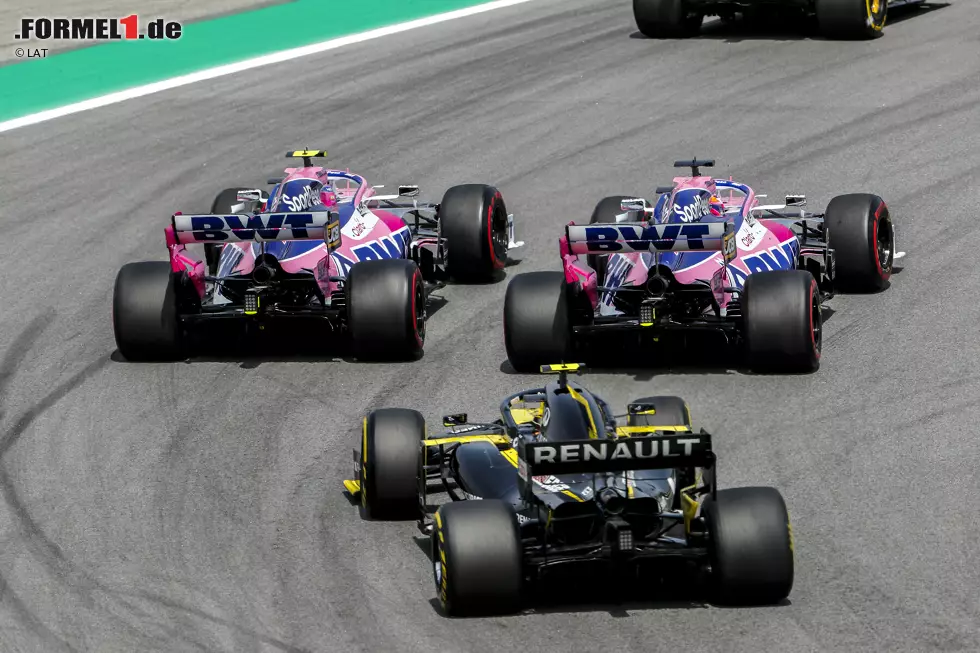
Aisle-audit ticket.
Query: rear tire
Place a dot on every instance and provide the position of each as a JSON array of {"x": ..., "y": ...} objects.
[
  {"x": 477, "y": 558},
  {"x": 473, "y": 219},
  {"x": 851, "y": 19},
  {"x": 225, "y": 203},
  {"x": 390, "y": 463},
  {"x": 386, "y": 310},
  {"x": 145, "y": 312},
  {"x": 863, "y": 239},
  {"x": 605, "y": 211},
  {"x": 536, "y": 325},
  {"x": 750, "y": 546},
  {"x": 782, "y": 321},
  {"x": 666, "y": 19}
]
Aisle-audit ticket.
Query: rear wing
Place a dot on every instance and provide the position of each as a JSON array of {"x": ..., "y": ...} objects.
[
  {"x": 655, "y": 451},
  {"x": 260, "y": 227},
  {"x": 645, "y": 237}
]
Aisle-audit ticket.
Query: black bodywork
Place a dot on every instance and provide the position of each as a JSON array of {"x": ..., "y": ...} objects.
[
  {"x": 727, "y": 8},
  {"x": 578, "y": 514}
]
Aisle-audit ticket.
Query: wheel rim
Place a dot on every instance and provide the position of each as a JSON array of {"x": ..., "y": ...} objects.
[
  {"x": 438, "y": 569},
  {"x": 499, "y": 237},
  {"x": 420, "y": 312},
  {"x": 816, "y": 321},
  {"x": 884, "y": 244},
  {"x": 876, "y": 13}
]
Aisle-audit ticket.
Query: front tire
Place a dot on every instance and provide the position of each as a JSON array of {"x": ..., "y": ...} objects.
[
  {"x": 851, "y": 19},
  {"x": 145, "y": 317},
  {"x": 390, "y": 463},
  {"x": 536, "y": 325},
  {"x": 473, "y": 219},
  {"x": 782, "y": 321},
  {"x": 666, "y": 19},
  {"x": 863, "y": 238},
  {"x": 477, "y": 558},
  {"x": 386, "y": 310},
  {"x": 750, "y": 546}
]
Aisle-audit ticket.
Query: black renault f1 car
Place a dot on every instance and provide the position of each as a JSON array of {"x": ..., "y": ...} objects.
[
  {"x": 557, "y": 482},
  {"x": 837, "y": 19}
]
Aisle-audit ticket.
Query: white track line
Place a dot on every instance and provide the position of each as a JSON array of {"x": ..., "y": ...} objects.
[{"x": 248, "y": 64}]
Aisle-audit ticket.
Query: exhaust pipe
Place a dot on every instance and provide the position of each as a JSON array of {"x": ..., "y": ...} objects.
[
  {"x": 657, "y": 286},
  {"x": 263, "y": 273},
  {"x": 266, "y": 268}
]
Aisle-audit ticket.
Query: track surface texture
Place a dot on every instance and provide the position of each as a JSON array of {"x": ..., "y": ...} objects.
[{"x": 198, "y": 506}]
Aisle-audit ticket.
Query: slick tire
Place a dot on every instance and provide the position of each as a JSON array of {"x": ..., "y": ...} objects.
[
  {"x": 750, "y": 546},
  {"x": 145, "y": 312},
  {"x": 225, "y": 203},
  {"x": 536, "y": 324},
  {"x": 390, "y": 464},
  {"x": 663, "y": 411},
  {"x": 851, "y": 20},
  {"x": 863, "y": 238},
  {"x": 473, "y": 220},
  {"x": 605, "y": 211},
  {"x": 477, "y": 558},
  {"x": 386, "y": 310},
  {"x": 666, "y": 19},
  {"x": 782, "y": 322}
]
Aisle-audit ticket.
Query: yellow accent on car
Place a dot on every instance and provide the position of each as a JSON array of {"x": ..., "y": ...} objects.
[
  {"x": 569, "y": 493},
  {"x": 561, "y": 367},
  {"x": 301, "y": 154},
  {"x": 354, "y": 487},
  {"x": 510, "y": 455},
  {"x": 364, "y": 450},
  {"x": 627, "y": 431},
  {"x": 523, "y": 415},
  {"x": 689, "y": 505},
  {"x": 495, "y": 439},
  {"x": 577, "y": 396}
]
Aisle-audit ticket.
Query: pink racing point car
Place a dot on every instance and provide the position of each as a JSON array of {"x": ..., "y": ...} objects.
[
  {"x": 707, "y": 259},
  {"x": 322, "y": 249}
]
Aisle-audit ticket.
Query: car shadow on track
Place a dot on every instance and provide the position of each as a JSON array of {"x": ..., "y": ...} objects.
[
  {"x": 782, "y": 28},
  {"x": 279, "y": 344},
  {"x": 577, "y": 592}
]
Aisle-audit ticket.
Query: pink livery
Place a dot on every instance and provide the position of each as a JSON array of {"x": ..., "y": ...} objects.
[
  {"x": 707, "y": 258},
  {"x": 322, "y": 245}
]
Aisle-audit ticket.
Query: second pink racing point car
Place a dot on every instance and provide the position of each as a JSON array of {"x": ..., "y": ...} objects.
[
  {"x": 324, "y": 249},
  {"x": 707, "y": 259}
]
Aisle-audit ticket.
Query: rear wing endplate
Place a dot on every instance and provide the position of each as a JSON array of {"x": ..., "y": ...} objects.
[{"x": 259, "y": 227}]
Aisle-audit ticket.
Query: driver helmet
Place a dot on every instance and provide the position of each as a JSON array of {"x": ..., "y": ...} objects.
[
  {"x": 694, "y": 204},
  {"x": 304, "y": 195}
]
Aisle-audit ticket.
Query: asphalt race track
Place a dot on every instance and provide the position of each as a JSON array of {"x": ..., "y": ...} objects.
[{"x": 198, "y": 506}]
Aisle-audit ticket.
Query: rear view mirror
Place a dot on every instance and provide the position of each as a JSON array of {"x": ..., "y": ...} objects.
[{"x": 454, "y": 420}]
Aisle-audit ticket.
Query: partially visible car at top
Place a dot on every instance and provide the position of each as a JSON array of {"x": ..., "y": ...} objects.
[{"x": 837, "y": 19}]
